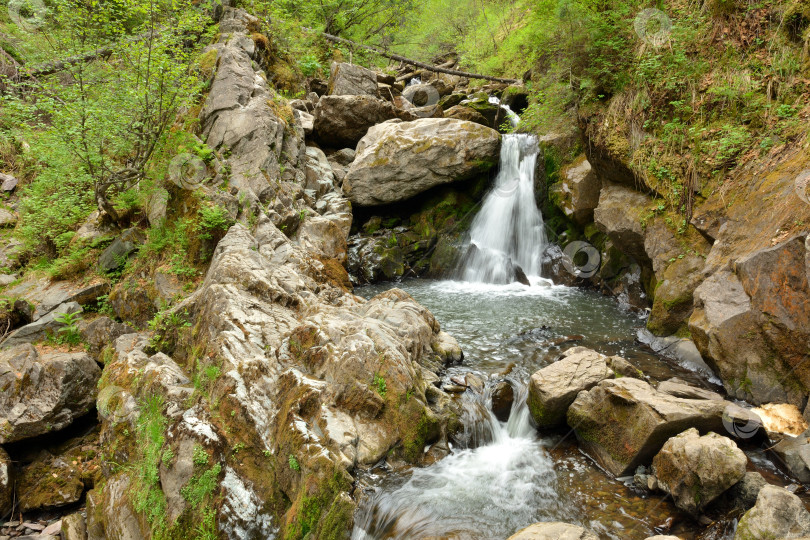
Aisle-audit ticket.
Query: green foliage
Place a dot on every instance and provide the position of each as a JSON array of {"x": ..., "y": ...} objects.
[
  {"x": 293, "y": 462},
  {"x": 379, "y": 384},
  {"x": 201, "y": 485},
  {"x": 147, "y": 497},
  {"x": 69, "y": 332},
  {"x": 212, "y": 218},
  {"x": 310, "y": 66}
]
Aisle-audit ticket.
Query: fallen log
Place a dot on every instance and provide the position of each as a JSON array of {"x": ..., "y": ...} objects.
[{"x": 410, "y": 61}]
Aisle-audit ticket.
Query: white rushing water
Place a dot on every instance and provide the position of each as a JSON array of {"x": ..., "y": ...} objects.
[
  {"x": 507, "y": 234},
  {"x": 482, "y": 492}
]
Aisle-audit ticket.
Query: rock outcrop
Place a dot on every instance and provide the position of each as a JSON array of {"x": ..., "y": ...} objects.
[
  {"x": 43, "y": 392},
  {"x": 341, "y": 121},
  {"x": 352, "y": 80},
  {"x": 696, "y": 470},
  {"x": 397, "y": 160}
]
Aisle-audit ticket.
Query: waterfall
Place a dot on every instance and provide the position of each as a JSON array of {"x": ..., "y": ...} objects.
[
  {"x": 492, "y": 488},
  {"x": 507, "y": 237}
]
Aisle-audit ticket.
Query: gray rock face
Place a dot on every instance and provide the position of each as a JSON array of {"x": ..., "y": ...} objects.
[
  {"x": 553, "y": 388},
  {"x": 101, "y": 332},
  {"x": 743, "y": 494},
  {"x": 115, "y": 256},
  {"x": 352, "y": 80},
  {"x": 696, "y": 470},
  {"x": 242, "y": 113},
  {"x": 396, "y": 161},
  {"x": 623, "y": 423},
  {"x": 74, "y": 527},
  {"x": 43, "y": 393},
  {"x": 753, "y": 325},
  {"x": 778, "y": 513},
  {"x": 7, "y": 218},
  {"x": 341, "y": 121},
  {"x": 460, "y": 112},
  {"x": 157, "y": 206},
  {"x": 8, "y": 182},
  {"x": 553, "y": 531},
  {"x": 39, "y": 330}
]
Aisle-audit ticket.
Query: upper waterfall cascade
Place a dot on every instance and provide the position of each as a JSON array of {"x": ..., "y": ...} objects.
[{"x": 508, "y": 235}]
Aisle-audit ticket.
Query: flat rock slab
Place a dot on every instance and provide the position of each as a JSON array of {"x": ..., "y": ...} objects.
[
  {"x": 43, "y": 392},
  {"x": 42, "y": 328}
]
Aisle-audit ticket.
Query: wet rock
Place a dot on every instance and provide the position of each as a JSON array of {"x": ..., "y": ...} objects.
[
  {"x": 674, "y": 299},
  {"x": 553, "y": 531},
  {"x": 73, "y": 527},
  {"x": 351, "y": 80},
  {"x": 682, "y": 350},
  {"x": 578, "y": 192},
  {"x": 623, "y": 423},
  {"x": 777, "y": 514},
  {"x": 696, "y": 470},
  {"x": 492, "y": 112},
  {"x": 503, "y": 396},
  {"x": 341, "y": 121},
  {"x": 42, "y": 328},
  {"x": 7, "y": 482},
  {"x": 794, "y": 455},
  {"x": 450, "y": 101},
  {"x": 623, "y": 368},
  {"x": 447, "y": 348},
  {"x": 115, "y": 256},
  {"x": 396, "y": 161},
  {"x": 553, "y": 388},
  {"x": 43, "y": 392}
]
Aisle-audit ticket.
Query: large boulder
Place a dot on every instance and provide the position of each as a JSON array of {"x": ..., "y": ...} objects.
[
  {"x": 352, "y": 80},
  {"x": 460, "y": 112},
  {"x": 341, "y": 121},
  {"x": 696, "y": 470},
  {"x": 794, "y": 455},
  {"x": 553, "y": 388},
  {"x": 396, "y": 161},
  {"x": 43, "y": 392},
  {"x": 553, "y": 531},
  {"x": 623, "y": 423},
  {"x": 578, "y": 192},
  {"x": 778, "y": 513}
]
